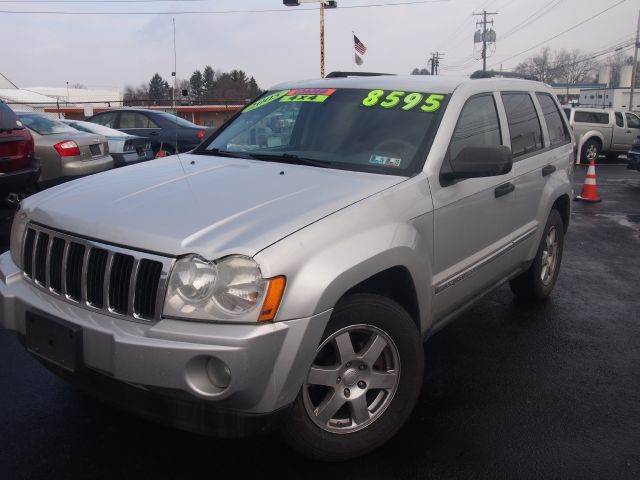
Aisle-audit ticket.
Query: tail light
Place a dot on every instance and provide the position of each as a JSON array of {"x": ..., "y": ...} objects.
[
  {"x": 200, "y": 134},
  {"x": 68, "y": 148}
]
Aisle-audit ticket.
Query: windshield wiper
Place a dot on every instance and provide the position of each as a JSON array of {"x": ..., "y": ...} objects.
[
  {"x": 291, "y": 158},
  {"x": 224, "y": 153}
]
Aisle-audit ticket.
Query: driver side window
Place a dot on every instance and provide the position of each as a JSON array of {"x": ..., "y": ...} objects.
[
  {"x": 633, "y": 121},
  {"x": 478, "y": 125}
]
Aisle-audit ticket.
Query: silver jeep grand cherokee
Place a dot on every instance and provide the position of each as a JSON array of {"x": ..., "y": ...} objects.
[{"x": 286, "y": 272}]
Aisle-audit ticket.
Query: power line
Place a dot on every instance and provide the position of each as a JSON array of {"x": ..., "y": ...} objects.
[
  {"x": 562, "y": 32},
  {"x": 538, "y": 14},
  {"x": 223, "y": 12}
]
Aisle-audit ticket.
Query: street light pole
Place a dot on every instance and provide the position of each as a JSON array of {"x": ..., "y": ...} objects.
[
  {"x": 634, "y": 71},
  {"x": 324, "y": 4},
  {"x": 322, "y": 39}
]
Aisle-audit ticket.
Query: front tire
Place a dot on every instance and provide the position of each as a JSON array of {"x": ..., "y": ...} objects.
[
  {"x": 537, "y": 283},
  {"x": 363, "y": 384}
]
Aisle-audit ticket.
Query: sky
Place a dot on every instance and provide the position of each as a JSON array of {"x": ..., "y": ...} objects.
[{"x": 110, "y": 50}]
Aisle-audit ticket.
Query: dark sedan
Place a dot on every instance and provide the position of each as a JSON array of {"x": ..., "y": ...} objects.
[{"x": 168, "y": 133}]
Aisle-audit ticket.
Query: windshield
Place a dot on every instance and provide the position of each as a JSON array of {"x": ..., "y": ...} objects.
[
  {"x": 45, "y": 126},
  {"x": 368, "y": 130},
  {"x": 175, "y": 119},
  {"x": 95, "y": 128}
]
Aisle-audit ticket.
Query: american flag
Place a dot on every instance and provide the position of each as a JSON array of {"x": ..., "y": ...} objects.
[{"x": 359, "y": 46}]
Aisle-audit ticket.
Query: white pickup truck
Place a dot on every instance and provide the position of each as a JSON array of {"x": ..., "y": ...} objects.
[{"x": 602, "y": 131}]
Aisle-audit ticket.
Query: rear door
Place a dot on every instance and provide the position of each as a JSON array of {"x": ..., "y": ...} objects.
[
  {"x": 633, "y": 126},
  {"x": 541, "y": 145},
  {"x": 140, "y": 125},
  {"x": 622, "y": 135},
  {"x": 473, "y": 218}
]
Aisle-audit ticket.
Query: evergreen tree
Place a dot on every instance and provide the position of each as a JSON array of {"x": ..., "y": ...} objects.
[
  {"x": 158, "y": 88},
  {"x": 196, "y": 84},
  {"x": 208, "y": 82}
]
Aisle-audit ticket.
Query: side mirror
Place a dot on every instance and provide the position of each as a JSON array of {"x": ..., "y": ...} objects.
[{"x": 477, "y": 162}]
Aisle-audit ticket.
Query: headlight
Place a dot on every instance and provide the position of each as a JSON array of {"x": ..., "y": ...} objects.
[
  {"x": 17, "y": 234},
  {"x": 231, "y": 288}
]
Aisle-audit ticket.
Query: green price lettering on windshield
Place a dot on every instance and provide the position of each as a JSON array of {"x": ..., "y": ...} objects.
[
  {"x": 408, "y": 101},
  {"x": 266, "y": 100}
]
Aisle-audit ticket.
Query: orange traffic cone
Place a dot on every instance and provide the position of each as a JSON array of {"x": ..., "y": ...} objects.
[{"x": 589, "y": 189}]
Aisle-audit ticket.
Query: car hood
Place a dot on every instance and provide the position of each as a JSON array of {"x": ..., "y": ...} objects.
[{"x": 210, "y": 206}]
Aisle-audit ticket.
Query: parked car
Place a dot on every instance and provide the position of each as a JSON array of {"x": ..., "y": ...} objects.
[
  {"x": 285, "y": 274},
  {"x": 168, "y": 133},
  {"x": 19, "y": 169},
  {"x": 603, "y": 131},
  {"x": 64, "y": 152},
  {"x": 633, "y": 156},
  {"x": 124, "y": 148}
]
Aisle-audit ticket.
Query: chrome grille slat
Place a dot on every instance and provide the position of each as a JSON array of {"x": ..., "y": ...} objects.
[
  {"x": 65, "y": 258},
  {"x": 48, "y": 264},
  {"x": 58, "y": 264},
  {"x": 85, "y": 268},
  {"x": 132, "y": 286}
]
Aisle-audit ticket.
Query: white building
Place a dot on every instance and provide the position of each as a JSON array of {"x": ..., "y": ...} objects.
[{"x": 609, "y": 97}]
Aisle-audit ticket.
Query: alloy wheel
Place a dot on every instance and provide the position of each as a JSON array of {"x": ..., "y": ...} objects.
[
  {"x": 550, "y": 256},
  {"x": 353, "y": 379}
]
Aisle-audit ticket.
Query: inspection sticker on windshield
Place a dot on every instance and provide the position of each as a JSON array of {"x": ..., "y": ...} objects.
[{"x": 385, "y": 161}]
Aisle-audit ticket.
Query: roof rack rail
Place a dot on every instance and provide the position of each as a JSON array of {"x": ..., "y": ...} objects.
[
  {"x": 493, "y": 74},
  {"x": 356, "y": 74}
]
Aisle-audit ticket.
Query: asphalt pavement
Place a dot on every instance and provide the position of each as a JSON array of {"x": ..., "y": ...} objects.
[{"x": 510, "y": 390}]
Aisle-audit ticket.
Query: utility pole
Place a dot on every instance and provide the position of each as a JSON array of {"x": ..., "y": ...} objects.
[
  {"x": 634, "y": 71},
  {"x": 484, "y": 22},
  {"x": 322, "y": 39},
  {"x": 435, "y": 62}
]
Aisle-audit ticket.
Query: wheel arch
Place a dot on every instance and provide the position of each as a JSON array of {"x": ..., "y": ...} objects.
[{"x": 563, "y": 205}]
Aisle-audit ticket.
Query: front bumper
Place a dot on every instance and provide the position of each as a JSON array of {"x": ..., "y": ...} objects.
[{"x": 268, "y": 362}]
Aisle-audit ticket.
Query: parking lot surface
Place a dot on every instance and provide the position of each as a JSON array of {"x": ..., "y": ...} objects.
[{"x": 510, "y": 390}]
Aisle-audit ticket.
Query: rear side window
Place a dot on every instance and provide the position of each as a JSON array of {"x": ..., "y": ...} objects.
[
  {"x": 558, "y": 133},
  {"x": 591, "y": 117},
  {"x": 8, "y": 119},
  {"x": 478, "y": 125},
  {"x": 105, "y": 119},
  {"x": 524, "y": 124},
  {"x": 619, "y": 120},
  {"x": 136, "y": 120}
]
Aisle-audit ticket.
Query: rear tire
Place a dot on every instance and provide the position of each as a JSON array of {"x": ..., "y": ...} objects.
[
  {"x": 537, "y": 283},
  {"x": 590, "y": 150},
  {"x": 362, "y": 416}
]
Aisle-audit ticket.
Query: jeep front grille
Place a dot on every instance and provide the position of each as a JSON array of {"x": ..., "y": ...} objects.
[{"x": 100, "y": 277}]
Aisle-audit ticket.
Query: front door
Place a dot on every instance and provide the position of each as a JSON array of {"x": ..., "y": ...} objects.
[{"x": 473, "y": 218}]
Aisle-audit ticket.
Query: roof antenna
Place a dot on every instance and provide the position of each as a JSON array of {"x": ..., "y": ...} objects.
[{"x": 173, "y": 95}]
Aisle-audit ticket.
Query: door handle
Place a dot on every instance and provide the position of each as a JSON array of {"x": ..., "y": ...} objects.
[
  {"x": 548, "y": 170},
  {"x": 504, "y": 189},
  {"x": 155, "y": 133}
]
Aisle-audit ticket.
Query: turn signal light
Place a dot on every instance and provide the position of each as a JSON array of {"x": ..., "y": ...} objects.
[
  {"x": 67, "y": 148},
  {"x": 200, "y": 134},
  {"x": 275, "y": 290}
]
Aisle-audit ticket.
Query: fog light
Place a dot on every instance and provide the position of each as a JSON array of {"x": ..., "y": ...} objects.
[{"x": 218, "y": 373}]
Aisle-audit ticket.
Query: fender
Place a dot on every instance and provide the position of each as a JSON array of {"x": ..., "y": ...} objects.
[{"x": 326, "y": 259}]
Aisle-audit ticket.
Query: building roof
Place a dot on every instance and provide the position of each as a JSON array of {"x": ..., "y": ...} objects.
[
  {"x": 579, "y": 85},
  {"x": 19, "y": 95},
  {"x": 5, "y": 83}
]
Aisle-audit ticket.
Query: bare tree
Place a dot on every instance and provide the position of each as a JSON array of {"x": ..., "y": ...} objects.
[{"x": 572, "y": 66}]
